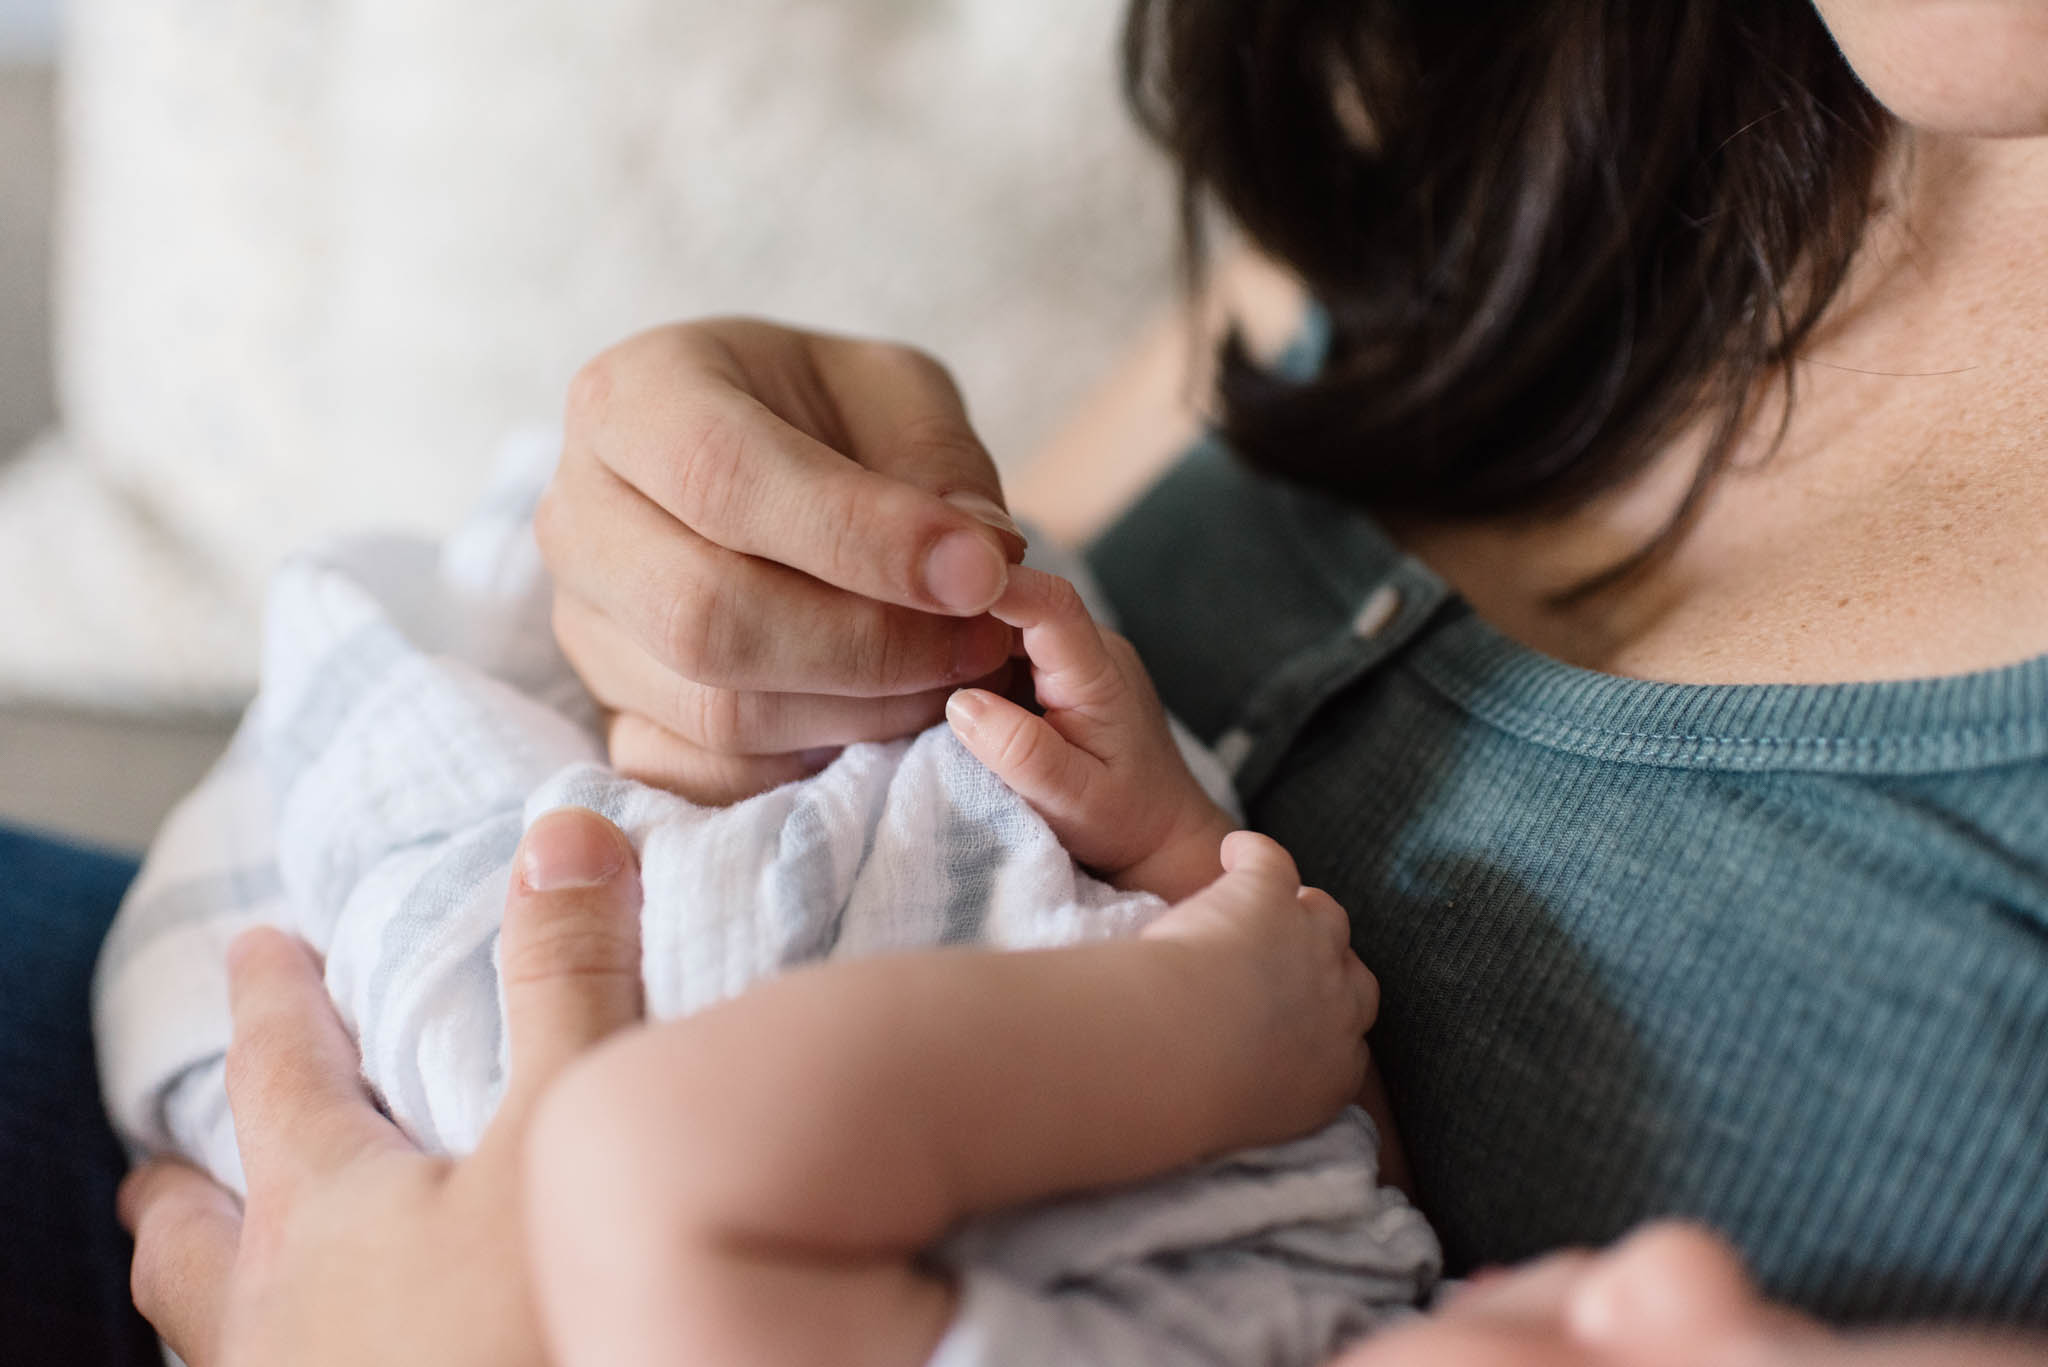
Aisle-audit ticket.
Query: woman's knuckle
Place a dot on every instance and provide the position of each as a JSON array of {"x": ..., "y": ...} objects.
[
  {"x": 709, "y": 478},
  {"x": 715, "y": 718},
  {"x": 697, "y": 633},
  {"x": 550, "y": 523},
  {"x": 938, "y": 433},
  {"x": 146, "y": 1274},
  {"x": 566, "y": 946},
  {"x": 568, "y": 622},
  {"x": 912, "y": 358},
  {"x": 881, "y": 651},
  {"x": 636, "y": 749},
  {"x": 846, "y": 552},
  {"x": 590, "y": 390}
]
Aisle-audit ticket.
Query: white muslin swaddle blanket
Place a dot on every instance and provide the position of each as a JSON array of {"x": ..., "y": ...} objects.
[{"x": 415, "y": 715}]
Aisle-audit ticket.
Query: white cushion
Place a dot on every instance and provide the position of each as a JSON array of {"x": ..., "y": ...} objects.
[{"x": 318, "y": 254}]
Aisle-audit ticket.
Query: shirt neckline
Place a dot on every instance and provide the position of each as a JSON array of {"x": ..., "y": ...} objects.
[
  {"x": 1937, "y": 724},
  {"x": 1929, "y": 725}
]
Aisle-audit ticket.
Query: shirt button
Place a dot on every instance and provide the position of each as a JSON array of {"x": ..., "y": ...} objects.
[{"x": 1378, "y": 612}]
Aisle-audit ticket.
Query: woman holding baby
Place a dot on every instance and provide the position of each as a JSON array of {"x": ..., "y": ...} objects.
[{"x": 1617, "y": 576}]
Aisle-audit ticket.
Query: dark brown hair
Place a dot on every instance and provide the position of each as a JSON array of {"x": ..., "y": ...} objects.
[{"x": 1546, "y": 232}]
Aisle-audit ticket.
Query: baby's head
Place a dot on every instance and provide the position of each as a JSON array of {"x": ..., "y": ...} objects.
[{"x": 1669, "y": 1296}]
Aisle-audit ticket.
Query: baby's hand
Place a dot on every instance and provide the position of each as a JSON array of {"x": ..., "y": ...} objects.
[
  {"x": 1293, "y": 1002},
  {"x": 1100, "y": 766}
]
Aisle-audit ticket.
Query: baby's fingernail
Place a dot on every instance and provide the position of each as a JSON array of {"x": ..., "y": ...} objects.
[
  {"x": 820, "y": 759},
  {"x": 571, "y": 848},
  {"x": 965, "y": 573},
  {"x": 967, "y": 707},
  {"x": 987, "y": 510}
]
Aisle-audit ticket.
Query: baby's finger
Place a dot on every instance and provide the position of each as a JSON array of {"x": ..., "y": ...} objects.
[
  {"x": 1365, "y": 990},
  {"x": 1071, "y": 664},
  {"x": 1046, "y": 770},
  {"x": 1328, "y": 916},
  {"x": 1253, "y": 855}
]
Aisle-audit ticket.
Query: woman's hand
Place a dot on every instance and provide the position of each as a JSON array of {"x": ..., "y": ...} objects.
[
  {"x": 1670, "y": 1295},
  {"x": 768, "y": 544},
  {"x": 353, "y": 1246}
]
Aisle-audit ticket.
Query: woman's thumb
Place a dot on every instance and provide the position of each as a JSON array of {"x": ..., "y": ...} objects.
[{"x": 569, "y": 958}]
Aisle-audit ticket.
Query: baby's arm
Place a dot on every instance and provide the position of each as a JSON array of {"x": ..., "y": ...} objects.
[
  {"x": 1102, "y": 769},
  {"x": 755, "y": 1184},
  {"x": 1100, "y": 766}
]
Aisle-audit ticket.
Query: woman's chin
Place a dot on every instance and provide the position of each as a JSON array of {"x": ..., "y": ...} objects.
[{"x": 1968, "y": 68}]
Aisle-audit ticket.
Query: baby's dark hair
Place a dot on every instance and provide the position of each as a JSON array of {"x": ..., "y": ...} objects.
[{"x": 1546, "y": 232}]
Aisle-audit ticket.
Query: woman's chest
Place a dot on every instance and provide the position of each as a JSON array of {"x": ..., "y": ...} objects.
[
  {"x": 1775, "y": 957},
  {"x": 1896, "y": 533},
  {"x": 1806, "y": 1008}
]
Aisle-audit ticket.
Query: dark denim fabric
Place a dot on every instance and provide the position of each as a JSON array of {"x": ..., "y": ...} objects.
[{"x": 63, "y": 1258}]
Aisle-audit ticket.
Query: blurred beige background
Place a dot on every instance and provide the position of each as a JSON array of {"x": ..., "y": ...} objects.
[
  {"x": 99, "y": 775},
  {"x": 312, "y": 261}
]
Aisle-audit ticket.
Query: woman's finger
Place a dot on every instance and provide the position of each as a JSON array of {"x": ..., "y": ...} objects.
[
  {"x": 710, "y": 613},
  {"x": 724, "y": 720},
  {"x": 187, "y": 1231},
  {"x": 569, "y": 957},
  {"x": 294, "y": 1077},
  {"x": 656, "y": 756},
  {"x": 903, "y": 417},
  {"x": 725, "y": 463}
]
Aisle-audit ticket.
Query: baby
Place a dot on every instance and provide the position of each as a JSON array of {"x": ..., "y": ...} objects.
[
  {"x": 744, "y": 1187},
  {"x": 868, "y": 1140}
]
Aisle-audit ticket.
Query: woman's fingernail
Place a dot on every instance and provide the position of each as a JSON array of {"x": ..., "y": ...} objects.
[
  {"x": 967, "y": 707},
  {"x": 987, "y": 510},
  {"x": 964, "y": 573},
  {"x": 238, "y": 951},
  {"x": 571, "y": 848}
]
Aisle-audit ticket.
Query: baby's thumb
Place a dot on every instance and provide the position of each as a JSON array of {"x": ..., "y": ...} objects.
[{"x": 1252, "y": 856}]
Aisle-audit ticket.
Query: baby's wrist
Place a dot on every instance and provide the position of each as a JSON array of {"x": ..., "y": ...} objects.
[{"x": 1187, "y": 860}]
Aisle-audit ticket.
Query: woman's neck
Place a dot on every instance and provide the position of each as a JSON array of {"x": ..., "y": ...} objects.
[{"x": 1901, "y": 526}]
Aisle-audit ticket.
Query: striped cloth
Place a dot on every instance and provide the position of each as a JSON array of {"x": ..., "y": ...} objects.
[{"x": 415, "y": 716}]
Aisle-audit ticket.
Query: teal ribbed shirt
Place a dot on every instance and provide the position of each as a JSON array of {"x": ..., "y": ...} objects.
[{"x": 1775, "y": 957}]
